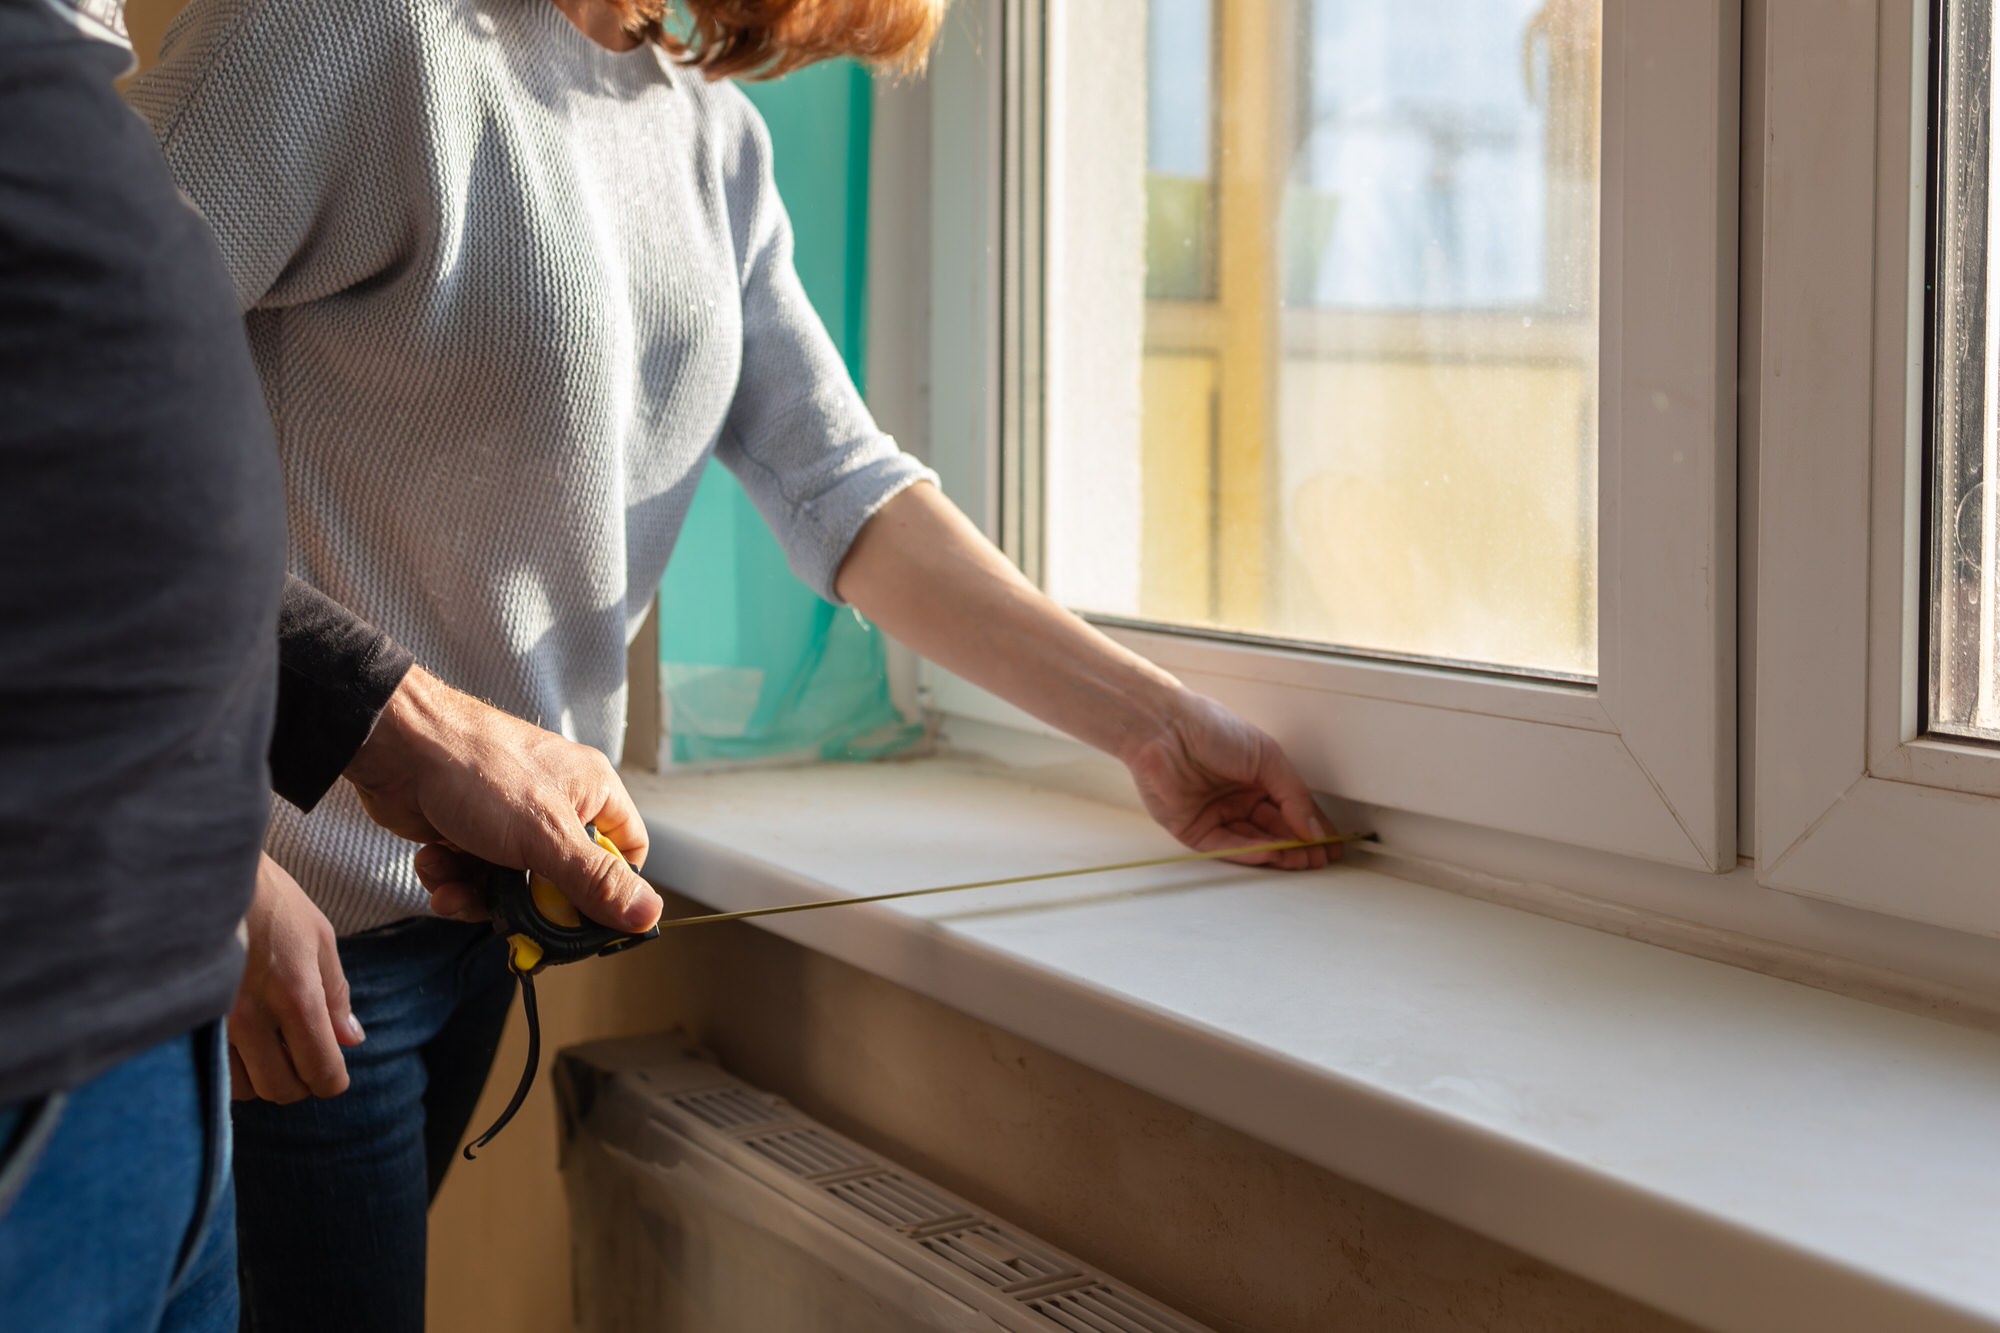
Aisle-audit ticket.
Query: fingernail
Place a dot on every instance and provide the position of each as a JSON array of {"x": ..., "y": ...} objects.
[
  {"x": 352, "y": 1027},
  {"x": 642, "y": 910}
]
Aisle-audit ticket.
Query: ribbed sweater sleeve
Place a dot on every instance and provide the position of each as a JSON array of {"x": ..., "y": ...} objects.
[
  {"x": 335, "y": 675},
  {"x": 798, "y": 435}
]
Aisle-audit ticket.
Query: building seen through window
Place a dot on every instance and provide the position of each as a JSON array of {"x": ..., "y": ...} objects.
[{"x": 1366, "y": 349}]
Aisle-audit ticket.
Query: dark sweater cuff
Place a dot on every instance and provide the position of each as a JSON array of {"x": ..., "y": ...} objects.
[{"x": 335, "y": 675}]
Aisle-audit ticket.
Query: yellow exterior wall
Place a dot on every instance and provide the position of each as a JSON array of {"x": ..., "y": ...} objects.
[
  {"x": 1177, "y": 477},
  {"x": 1438, "y": 508},
  {"x": 1249, "y": 170},
  {"x": 147, "y": 19},
  {"x": 1415, "y": 483}
]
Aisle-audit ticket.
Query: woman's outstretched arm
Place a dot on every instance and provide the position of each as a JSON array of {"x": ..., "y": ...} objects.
[{"x": 927, "y": 576}]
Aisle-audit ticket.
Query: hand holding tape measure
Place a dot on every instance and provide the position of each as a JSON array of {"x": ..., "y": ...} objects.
[{"x": 543, "y": 928}]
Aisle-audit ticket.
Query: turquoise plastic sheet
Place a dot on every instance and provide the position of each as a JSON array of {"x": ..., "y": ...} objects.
[{"x": 754, "y": 664}]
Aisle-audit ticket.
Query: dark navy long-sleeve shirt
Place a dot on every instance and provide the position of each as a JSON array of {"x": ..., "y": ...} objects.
[{"x": 141, "y": 579}]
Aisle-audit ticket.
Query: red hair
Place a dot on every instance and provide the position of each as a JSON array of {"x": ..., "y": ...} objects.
[{"x": 762, "y": 39}]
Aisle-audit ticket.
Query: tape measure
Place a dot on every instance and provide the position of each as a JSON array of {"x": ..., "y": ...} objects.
[{"x": 543, "y": 928}]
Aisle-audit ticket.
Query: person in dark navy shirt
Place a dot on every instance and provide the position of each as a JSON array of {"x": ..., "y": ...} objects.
[{"x": 160, "y": 676}]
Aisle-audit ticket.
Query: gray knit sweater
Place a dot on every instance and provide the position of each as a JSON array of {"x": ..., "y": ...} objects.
[{"x": 507, "y": 291}]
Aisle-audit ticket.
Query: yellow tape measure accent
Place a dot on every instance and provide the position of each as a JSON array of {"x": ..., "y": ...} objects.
[
  {"x": 549, "y": 901},
  {"x": 526, "y": 955},
  {"x": 1185, "y": 858},
  {"x": 553, "y": 908}
]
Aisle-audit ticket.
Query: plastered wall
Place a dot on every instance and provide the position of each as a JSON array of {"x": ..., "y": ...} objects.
[{"x": 1233, "y": 1232}]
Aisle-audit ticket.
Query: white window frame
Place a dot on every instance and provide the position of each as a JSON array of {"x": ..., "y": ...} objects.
[
  {"x": 1853, "y": 803},
  {"x": 1642, "y": 764}
]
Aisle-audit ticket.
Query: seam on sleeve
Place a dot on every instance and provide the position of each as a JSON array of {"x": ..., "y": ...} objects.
[{"x": 740, "y": 448}]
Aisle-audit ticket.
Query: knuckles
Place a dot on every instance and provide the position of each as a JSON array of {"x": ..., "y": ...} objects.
[{"x": 293, "y": 1003}]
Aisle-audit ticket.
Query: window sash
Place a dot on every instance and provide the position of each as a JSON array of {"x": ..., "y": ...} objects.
[
  {"x": 1643, "y": 762},
  {"x": 1854, "y": 803}
]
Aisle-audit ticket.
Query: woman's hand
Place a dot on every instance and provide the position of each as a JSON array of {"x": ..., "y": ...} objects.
[
  {"x": 291, "y": 1015},
  {"x": 924, "y": 573},
  {"x": 1214, "y": 781}
]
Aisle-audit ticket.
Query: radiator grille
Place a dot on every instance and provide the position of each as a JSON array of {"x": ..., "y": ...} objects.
[
  {"x": 808, "y": 1153},
  {"x": 895, "y": 1202},
  {"x": 1103, "y": 1309},
  {"x": 729, "y": 1108},
  {"x": 1021, "y": 1283},
  {"x": 999, "y": 1259}
]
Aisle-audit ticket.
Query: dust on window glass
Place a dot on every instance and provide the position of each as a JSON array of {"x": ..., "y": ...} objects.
[
  {"x": 1964, "y": 378},
  {"x": 1322, "y": 323}
]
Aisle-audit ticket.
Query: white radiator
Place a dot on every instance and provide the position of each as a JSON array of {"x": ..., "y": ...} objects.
[{"x": 699, "y": 1204}]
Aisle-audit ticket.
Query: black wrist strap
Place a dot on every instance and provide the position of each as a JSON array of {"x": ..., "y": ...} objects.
[{"x": 527, "y": 1075}]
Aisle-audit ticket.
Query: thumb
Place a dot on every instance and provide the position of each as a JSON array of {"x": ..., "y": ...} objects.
[
  {"x": 1294, "y": 799},
  {"x": 603, "y": 887}
]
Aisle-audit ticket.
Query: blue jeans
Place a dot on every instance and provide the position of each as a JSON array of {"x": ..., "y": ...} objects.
[
  {"x": 123, "y": 1220},
  {"x": 332, "y": 1195}
]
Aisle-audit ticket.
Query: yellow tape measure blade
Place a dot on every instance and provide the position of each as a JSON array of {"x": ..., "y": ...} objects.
[{"x": 1184, "y": 858}]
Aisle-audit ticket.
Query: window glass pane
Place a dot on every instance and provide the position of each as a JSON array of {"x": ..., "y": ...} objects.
[
  {"x": 1180, "y": 151},
  {"x": 1963, "y": 630},
  {"x": 1322, "y": 323}
]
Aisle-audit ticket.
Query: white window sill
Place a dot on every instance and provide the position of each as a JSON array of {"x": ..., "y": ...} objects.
[{"x": 1745, "y": 1152}]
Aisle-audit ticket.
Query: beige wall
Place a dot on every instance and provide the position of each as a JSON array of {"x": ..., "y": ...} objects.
[
  {"x": 1235, "y": 1233},
  {"x": 147, "y": 19}
]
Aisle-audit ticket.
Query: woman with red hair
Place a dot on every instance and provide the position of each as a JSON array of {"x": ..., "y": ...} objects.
[{"x": 513, "y": 270}]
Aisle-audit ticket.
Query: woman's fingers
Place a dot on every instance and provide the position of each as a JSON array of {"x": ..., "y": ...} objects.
[
  {"x": 1244, "y": 835},
  {"x": 1289, "y": 791},
  {"x": 1218, "y": 782},
  {"x": 1272, "y": 826},
  {"x": 1250, "y": 819}
]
